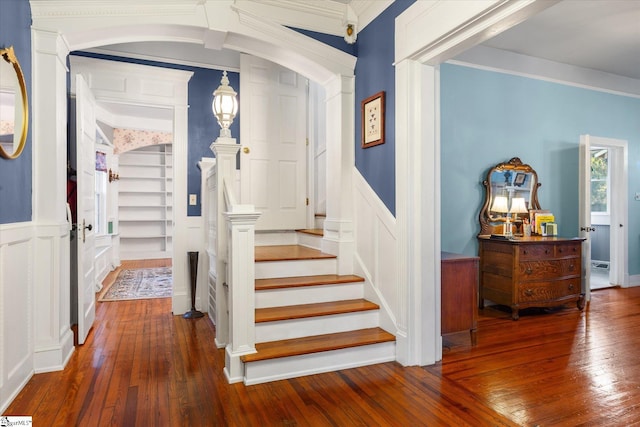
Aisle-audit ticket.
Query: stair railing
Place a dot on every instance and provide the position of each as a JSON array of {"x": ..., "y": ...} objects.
[{"x": 235, "y": 263}]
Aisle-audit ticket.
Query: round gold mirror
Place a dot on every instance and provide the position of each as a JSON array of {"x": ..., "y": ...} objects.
[{"x": 14, "y": 107}]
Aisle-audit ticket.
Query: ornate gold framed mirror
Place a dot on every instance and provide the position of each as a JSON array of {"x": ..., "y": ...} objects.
[
  {"x": 511, "y": 192},
  {"x": 14, "y": 106}
]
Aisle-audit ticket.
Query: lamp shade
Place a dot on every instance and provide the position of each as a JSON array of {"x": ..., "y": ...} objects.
[
  {"x": 518, "y": 205},
  {"x": 225, "y": 105},
  {"x": 500, "y": 204}
]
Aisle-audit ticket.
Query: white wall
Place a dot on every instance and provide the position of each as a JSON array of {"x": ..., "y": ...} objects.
[{"x": 16, "y": 313}]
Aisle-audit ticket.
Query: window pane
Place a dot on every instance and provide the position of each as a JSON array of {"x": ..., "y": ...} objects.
[
  {"x": 598, "y": 196},
  {"x": 599, "y": 180}
]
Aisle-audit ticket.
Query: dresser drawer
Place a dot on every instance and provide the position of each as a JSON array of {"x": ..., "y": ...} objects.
[
  {"x": 549, "y": 251},
  {"x": 548, "y": 291},
  {"x": 551, "y": 269}
]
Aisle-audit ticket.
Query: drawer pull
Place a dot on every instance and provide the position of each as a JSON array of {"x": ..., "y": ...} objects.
[
  {"x": 525, "y": 252},
  {"x": 571, "y": 267},
  {"x": 528, "y": 292},
  {"x": 570, "y": 286},
  {"x": 560, "y": 250},
  {"x": 546, "y": 251},
  {"x": 528, "y": 270}
]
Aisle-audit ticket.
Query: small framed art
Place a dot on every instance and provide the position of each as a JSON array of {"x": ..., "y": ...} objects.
[{"x": 373, "y": 120}]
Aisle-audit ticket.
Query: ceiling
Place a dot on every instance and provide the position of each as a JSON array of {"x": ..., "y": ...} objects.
[{"x": 602, "y": 35}]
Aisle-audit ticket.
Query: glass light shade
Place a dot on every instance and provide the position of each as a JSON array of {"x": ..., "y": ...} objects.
[
  {"x": 500, "y": 204},
  {"x": 225, "y": 105},
  {"x": 518, "y": 205}
]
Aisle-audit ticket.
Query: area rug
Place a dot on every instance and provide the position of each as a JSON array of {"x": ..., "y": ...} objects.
[{"x": 140, "y": 283}]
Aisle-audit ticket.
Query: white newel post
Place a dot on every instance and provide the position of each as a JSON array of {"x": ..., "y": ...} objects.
[
  {"x": 225, "y": 150},
  {"x": 241, "y": 279},
  {"x": 235, "y": 265}
]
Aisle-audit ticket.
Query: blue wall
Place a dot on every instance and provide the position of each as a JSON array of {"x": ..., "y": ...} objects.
[
  {"x": 15, "y": 175},
  {"x": 203, "y": 127},
  {"x": 489, "y": 117},
  {"x": 375, "y": 73}
]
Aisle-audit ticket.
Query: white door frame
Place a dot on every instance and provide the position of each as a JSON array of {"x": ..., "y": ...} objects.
[{"x": 619, "y": 213}]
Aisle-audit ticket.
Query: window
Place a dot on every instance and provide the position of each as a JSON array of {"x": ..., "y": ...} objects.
[{"x": 600, "y": 180}]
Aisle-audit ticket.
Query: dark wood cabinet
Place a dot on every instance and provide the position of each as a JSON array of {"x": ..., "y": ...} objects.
[
  {"x": 459, "y": 290},
  {"x": 531, "y": 272}
]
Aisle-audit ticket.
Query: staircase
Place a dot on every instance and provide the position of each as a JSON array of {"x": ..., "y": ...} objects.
[{"x": 309, "y": 319}]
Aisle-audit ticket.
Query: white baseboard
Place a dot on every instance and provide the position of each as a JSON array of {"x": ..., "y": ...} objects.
[{"x": 634, "y": 280}]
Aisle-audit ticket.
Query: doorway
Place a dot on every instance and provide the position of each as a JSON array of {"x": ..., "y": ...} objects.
[{"x": 604, "y": 221}]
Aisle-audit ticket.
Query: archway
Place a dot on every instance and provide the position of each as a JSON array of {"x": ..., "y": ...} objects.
[{"x": 73, "y": 29}]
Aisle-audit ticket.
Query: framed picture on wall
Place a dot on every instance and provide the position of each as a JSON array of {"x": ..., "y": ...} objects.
[
  {"x": 373, "y": 120},
  {"x": 519, "y": 180}
]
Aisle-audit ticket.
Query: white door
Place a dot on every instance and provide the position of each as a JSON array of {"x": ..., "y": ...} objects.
[
  {"x": 85, "y": 167},
  {"x": 273, "y": 174},
  {"x": 584, "y": 217}
]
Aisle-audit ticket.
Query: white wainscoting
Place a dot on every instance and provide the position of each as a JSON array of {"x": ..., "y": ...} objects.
[
  {"x": 375, "y": 252},
  {"x": 16, "y": 309}
]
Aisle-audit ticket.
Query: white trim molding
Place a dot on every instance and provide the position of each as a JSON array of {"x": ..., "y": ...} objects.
[{"x": 428, "y": 33}]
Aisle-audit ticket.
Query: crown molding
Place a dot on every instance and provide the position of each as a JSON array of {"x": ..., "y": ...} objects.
[
  {"x": 41, "y": 9},
  {"x": 311, "y": 52}
]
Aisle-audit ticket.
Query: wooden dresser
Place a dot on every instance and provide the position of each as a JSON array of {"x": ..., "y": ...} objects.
[
  {"x": 459, "y": 294},
  {"x": 530, "y": 272}
]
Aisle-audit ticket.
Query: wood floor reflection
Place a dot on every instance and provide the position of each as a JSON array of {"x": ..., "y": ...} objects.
[{"x": 143, "y": 366}]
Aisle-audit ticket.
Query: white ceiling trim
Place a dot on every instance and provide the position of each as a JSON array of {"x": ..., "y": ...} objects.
[
  {"x": 323, "y": 16},
  {"x": 499, "y": 60}
]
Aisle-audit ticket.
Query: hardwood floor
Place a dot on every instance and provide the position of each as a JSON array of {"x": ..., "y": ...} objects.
[{"x": 143, "y": 366}]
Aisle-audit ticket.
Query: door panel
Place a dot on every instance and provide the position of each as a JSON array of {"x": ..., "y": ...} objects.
[
  {"x": 585, "y": 211},
  {"x": 273, "y": 164},
  {"x": 85, "y": 236}
]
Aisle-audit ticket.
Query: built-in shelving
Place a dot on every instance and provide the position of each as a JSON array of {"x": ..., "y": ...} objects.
[{"x": 145, "y": 203}]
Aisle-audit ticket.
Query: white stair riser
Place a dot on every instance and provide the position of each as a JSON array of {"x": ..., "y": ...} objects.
[
  {"x": 320, "y": 325},
  {"x": 311, "y": 267},
  {"x": 276, "y": 238},
  {"x": 315, "y": 363},
  {"x": 310, "y": 240},
  {"x": 319, "y": 222},
  {"x": 309, "y": 294}
]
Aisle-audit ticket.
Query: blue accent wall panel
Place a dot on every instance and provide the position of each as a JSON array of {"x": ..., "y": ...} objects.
[
  {"x": 203, "y": 126},
  {"x": 15, "y": 175},
  {"x": 375, "y": 73},
  {"x": 489, "y": 117}
]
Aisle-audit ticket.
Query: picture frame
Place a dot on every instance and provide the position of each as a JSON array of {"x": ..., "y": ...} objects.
[
  {"x": 372, "y": 110},
  {"x": 519, "y": 179}
]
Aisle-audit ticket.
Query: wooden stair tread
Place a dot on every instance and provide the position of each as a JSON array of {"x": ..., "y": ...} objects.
[
  {"x": 301, "y": 311},
  {"x": 288, "y": 253},
  {"x": 317, "y": 343},
  {"x": 299, "y": 281},
  {"x": 312, "y": 231}
]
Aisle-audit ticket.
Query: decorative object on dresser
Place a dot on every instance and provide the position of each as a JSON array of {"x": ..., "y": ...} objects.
[
  {"x": 522, "y": 271},
  {"x": 506, "y": 185},
  {"x": 459, "y": 279}
]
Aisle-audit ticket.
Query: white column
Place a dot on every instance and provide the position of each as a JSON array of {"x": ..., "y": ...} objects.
[
  {"x": 53, "y": 335},
  {"x": 241, "y": 280},
  {"x": 338, "y": 227},
  {"x": 418, "y": 213},
  {"x": 225, "y": 150}
]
